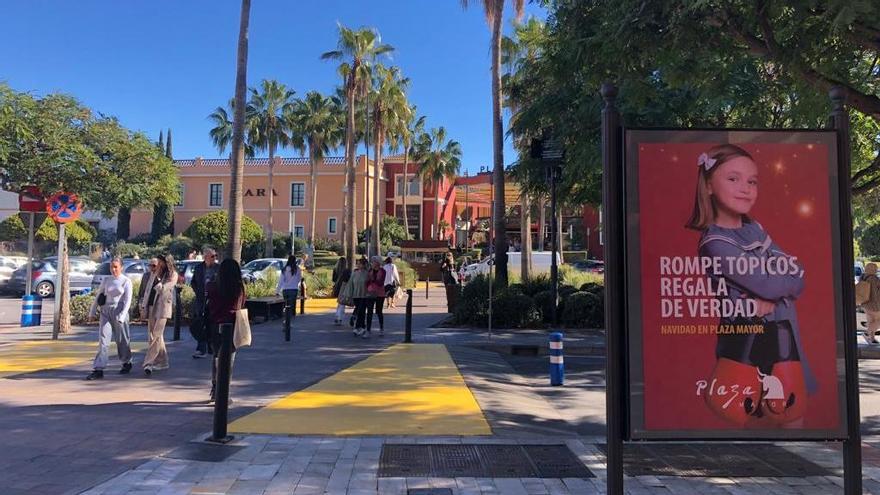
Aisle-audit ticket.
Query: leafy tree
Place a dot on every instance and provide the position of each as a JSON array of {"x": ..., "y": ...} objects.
[
  {"x": 212, "y": 229},
  {"x": 57, "y": 144},
  {"x": 405, "y": 135},
  {"x": 392, "y": 231},
  {"x": 494, "y": 10},
  {"x": 438, "y": 159},
  {"x": 317, "y": 121},
  {"x": 163, "y": 212},
  {"x": 268, "y": 130},
  {"x": 12, "y": 228},
  {"x": 869, "y": 242},
  {"x": 357, "y": 49},
  {"x": 79, "y": 233}
]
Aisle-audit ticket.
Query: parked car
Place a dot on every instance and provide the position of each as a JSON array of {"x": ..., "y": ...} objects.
[
  {"x": 185, "y": 269},
  {"x": 43, "y": 277},
  {"x": 131, "y": 268},
  {"x": 79, "y": 263},
  {"x": 541, "y": 261},
  {"x": 7, "y": 266},
  {"x": 258, "y": 269},
  {"x": 858, "y": 270},
  {"x": 589, "y": 266}
]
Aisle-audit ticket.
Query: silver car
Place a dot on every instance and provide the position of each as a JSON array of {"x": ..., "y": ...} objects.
[
  {"x": 259, "y": 269},
  {"x": 131, "y": 268},
  {"x": 44, "y": 275}
]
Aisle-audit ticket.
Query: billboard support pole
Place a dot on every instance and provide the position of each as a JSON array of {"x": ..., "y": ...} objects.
[
  {"x": 852, "y": 446},
  {"x": 615, "y": 294}
]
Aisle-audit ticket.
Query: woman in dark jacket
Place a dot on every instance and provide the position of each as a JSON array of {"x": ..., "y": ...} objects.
[{"x": 226, "y": 295}]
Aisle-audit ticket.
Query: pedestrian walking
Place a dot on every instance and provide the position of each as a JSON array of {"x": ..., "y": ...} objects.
[
  {"x": 358, "y": 292},
  {"x": 376, "y": 295},
  {"x": 204, "y": 272},
  {"x": 872, "y": 306},
  {"x": 112, "y": 303},
  {"x": 226, "y": 295},
  {"x": 341, "y": 276},
  {"x": 160, "y": 302},
  {"x": 288, "y": 284},
  {"x": 146, "y": 281},
  {"x": 392, "y": 281}
]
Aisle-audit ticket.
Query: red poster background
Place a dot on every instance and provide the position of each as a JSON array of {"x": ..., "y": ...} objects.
[{"x": 793, "y": 207}]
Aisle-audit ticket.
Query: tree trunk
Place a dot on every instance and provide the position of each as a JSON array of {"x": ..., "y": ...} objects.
[
  {"x": 559, "y": 232},
  {"x": 405, "y": 186},
  {"x": 270, "y": 251},
  {"x": 236, "y": 210},
  {"x": 437, "y": 208},
  {"x": 349, "y": 229},
  {"x": 123, "y": 224},
  {"x": 498, "y": 147},
  {"x": 64, "y": 287},
  {"x": 313, "y": 200},
  {"x": 526, "y": 237},
  {"x": 377, "y": 172},
  {"x": 542, "y": 223}
]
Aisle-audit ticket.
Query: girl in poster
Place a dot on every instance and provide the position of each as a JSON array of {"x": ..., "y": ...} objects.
[{"x": 760, "y": 360}]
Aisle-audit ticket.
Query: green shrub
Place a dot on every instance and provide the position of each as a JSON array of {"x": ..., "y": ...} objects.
[
  {"x": 212, "y": 229},
  {"x": 536, "y": 283},
  {"x": 319, "y": 283},
  {"x": 583, "y": 310},
  {"x": 13, "y": 229},
  {"x": 570, "y": 276},
  {"x": 142, "y": 238},
  {"x": 128, "y": 250},
  {"x": 544, "y": 304},
  {"x": 79, "y": 308},
  {"x": 564, "y": 292},
  {"x": 264, "y": 287},
  {"x": 592, "y": 287},
  {"x": 330, "y": 245},
  {"x": 78, "y": 233},
  {"x": 518, "y": 288},
  {"x": 514, "y": 310},
  {"x": 179, "y": 247},
  {"x": 408, "y": 275},
  {"x": 473, "y": 302},
  {"x": 869, "y": 241}
]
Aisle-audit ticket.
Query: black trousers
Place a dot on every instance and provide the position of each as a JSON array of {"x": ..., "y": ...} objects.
[{"x": 376, "y": 302}]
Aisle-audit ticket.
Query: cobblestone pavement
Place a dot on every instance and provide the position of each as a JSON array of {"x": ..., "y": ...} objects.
[{"x": 272, "y": 465}]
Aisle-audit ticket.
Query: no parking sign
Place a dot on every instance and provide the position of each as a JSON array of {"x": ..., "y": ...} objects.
[{"x": 64, "y": 207}]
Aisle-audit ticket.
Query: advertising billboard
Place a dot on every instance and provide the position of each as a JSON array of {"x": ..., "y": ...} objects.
[{"x": 733, "y": 285}]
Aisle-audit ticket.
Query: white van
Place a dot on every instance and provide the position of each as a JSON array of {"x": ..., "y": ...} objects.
[{"x": 541, "y": 261}]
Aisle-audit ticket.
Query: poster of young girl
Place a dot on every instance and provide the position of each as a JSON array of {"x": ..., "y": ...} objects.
[{"x": 733, "y": 279}]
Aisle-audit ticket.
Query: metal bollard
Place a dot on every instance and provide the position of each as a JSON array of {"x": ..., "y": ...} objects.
[
  {"x": 302, "y": 300},
  {"x": 426, "y": 286},
  {"x": 177, "y": 316},
  {"x": 557, "y": 365},
  {"x": 31, "y": 310},
  {"x": 408, "y": 335},
  {"x": 221, "y": 394}
]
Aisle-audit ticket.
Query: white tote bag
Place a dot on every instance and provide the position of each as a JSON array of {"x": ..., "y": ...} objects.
[{"x": 242, "y": 335}]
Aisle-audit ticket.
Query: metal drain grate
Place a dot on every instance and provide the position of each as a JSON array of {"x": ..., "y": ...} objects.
[
  {"x": 715, "y": 460},
  {"x": 480, "y": 461},
  {"x": 204, "y": 452}
]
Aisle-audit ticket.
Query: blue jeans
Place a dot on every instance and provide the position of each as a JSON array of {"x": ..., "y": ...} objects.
[{"x": 289, "y": 296}]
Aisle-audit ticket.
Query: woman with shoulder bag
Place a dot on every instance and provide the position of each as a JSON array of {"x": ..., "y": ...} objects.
[
  {"x": 392, "y": 282},
  {"x": 226, "y": 295},
  {"x": 160, "y": 304},
  {"x": 341, "y": 276},
  {"x": 112, "y": 303}
]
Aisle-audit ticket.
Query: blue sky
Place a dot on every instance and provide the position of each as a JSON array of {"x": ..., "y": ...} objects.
[{"x": 169, "y": 63}]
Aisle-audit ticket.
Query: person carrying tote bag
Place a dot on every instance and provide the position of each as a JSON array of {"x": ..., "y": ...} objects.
[{"x": 226, "y": 302}]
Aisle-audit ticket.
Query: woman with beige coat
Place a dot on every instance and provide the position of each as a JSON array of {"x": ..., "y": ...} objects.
[{"x": 159, "y": 306}]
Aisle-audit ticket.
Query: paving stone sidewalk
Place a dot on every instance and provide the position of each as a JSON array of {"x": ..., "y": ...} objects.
[{"x": 273, "y": 465}]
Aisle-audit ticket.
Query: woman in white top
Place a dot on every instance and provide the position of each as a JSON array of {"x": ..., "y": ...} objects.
[
  {"x": 115, "y": 293},
  {"x": 392, "y": 282},
  {"x": 288, "y": 283}
]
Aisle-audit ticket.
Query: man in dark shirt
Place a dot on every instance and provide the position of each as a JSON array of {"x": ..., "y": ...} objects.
[{"x": 205, "y": 272}]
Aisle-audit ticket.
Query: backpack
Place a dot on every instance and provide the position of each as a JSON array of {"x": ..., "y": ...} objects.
[{"x": 863, "y": 292}]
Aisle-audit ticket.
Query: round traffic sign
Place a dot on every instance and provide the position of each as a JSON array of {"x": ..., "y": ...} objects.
[{"x": 64, "y": 207}]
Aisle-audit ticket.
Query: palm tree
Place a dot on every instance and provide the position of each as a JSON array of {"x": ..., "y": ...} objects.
[
  {"x": 406, "y": 135},
  {"x": 221, "y": 133},
  {"x": 390, "y": 108},
  {"x": 494, "y": 10},
  {"x": 357, "y": 49},
  {"x": 438, "y": 159},
  {"x": 268, "y": 131},
  {"x": 317, "y": 120},
  {"x": 236, "y": 210}
]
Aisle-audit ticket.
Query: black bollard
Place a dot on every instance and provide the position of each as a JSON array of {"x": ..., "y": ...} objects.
[
  {"x": 177, "y": 312},
  {"x": 426, "y": 286},
  {"x": 288, "y": 314},
  {"x": 221, "y": 396},
  {"x": 408, "y": 336},
  {"x": 302, "y": 300}
]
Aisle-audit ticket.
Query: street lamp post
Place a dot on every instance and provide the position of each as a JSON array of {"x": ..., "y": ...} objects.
[
  {"x": 291, "y": 224},
  {"x": 551, "y": 153}
]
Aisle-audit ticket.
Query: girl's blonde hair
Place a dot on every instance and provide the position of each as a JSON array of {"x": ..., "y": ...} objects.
[{"x": 704, "y": 206}]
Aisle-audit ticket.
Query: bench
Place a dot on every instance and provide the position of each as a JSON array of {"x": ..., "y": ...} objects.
[{"x": 267, "y": 307}]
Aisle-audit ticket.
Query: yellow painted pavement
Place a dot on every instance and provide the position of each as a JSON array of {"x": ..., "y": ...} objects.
[
  {"x": 34, "y": 355},
  {"x": 408, "y": 389}
]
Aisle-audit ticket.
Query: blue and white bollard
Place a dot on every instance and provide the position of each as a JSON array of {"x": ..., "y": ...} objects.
[
  {"x": 557, "y": 365},
  {"x": 31, "y": 311}
]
